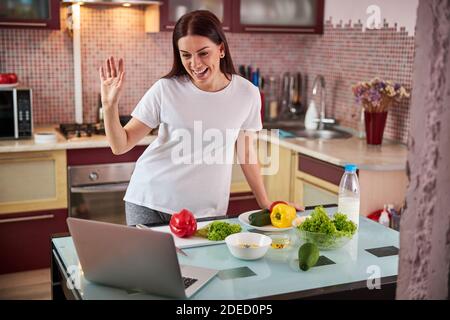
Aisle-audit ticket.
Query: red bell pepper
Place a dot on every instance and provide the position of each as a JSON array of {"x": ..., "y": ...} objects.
[{"x": 183, "y": 224}]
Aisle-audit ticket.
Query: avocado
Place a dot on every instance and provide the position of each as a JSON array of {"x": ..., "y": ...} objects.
[
  {"x": 308, "y": 255},
  {"x": 260, "y": 218}
]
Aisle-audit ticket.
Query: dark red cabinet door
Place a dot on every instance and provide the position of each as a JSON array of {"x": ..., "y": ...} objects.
[
  {"x": 30, "y": 14},
  {"x": 25, "y": 239},
  {"x": 172, "y": 10},
  {"x": 241, "y": 202},
  {"x": 280, "y": 16},
  {"x": 102, "y": 155}
]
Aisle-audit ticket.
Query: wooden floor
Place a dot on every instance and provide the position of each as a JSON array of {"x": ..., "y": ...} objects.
[{"x": 29, "y": 285}]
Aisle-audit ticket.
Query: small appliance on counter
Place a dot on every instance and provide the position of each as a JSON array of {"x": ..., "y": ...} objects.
[
  {"x": 16, "y": 118},
  {"x": 71, "y": 130}
]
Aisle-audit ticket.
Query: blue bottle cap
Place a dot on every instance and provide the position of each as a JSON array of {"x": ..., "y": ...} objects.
[{"x": 351, "y": 167}]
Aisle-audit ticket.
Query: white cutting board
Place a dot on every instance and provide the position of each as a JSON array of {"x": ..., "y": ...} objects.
[{"x": 191, "y": 241}]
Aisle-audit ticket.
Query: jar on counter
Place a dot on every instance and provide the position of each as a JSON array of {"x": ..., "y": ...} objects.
[{"x": 272, "y": 99}]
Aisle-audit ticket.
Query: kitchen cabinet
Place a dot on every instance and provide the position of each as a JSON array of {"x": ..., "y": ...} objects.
[
  {"x": 242, "y": 198},
  {"x": 287, "y": 16},
  {"x": 318, "y": 192},
  {"x": 32, "y": 181},
  {"x": 276, "y": 162},
  {"x": 25, "y": 239},
  {"x": 172, "y": 10},
  {"x": 241, "y": 202},
  {"x": 316, "y": 181},
  {"x": 85, "y": 156},
  {"x": 30, "y": 14}
]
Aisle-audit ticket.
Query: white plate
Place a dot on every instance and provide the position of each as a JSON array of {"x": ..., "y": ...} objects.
[
  {"x": 8, "y": 85},
  {"x": 243, "y": 217}
]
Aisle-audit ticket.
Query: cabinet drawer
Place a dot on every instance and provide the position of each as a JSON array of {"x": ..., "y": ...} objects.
[
  {"x": 320, "y": 169},
  {"x": 25, "y": 239},
  {"x": 85, "y": 156},
  {"x": 33, "y": 181}
]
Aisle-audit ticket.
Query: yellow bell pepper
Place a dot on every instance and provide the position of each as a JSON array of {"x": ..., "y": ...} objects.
[{"x": 282, "y": 215}]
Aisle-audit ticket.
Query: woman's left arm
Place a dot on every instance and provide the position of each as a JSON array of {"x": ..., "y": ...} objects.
[{"x": 248, "y": 160}]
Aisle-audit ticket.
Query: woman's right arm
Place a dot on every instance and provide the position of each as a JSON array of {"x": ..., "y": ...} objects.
[{"x": 121, "y": 139}]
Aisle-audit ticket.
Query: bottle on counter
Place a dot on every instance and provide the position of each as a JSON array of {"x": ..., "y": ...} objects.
[
  {"x": 263, "y": 99},
  {"x": 361, "y": 130},
  {"x": 271, "y": 102},
  {"x": 384, "y": 217},
  {"x": 99, "y": 109},
  {"x": 311, "y": 116},
  {"x": 349, "y": 194}
]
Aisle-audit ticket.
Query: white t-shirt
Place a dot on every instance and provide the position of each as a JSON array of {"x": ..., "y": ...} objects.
[{"x": 188, "y": 166}]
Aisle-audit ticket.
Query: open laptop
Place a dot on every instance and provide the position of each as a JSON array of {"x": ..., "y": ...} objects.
[{"x": 132, "y": 258}]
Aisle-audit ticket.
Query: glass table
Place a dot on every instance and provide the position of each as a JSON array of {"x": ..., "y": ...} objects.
[{"x": 349, "y": 272}]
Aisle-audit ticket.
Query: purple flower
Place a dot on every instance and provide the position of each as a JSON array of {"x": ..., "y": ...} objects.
[{"x": 375, "y": 95}]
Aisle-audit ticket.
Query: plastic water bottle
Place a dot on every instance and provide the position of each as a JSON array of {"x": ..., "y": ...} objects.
[
  {"x": 384, "y": 217},
  {"x": 349, "y": 195}
]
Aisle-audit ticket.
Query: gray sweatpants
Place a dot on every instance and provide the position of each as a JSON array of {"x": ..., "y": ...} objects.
[{"x": 137, "y": 214}]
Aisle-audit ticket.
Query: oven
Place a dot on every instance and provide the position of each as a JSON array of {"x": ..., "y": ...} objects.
[{"x": 96, "y": 191}]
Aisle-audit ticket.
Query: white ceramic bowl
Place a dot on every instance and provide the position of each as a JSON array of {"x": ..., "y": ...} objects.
[{"x": 248, "y": 245}]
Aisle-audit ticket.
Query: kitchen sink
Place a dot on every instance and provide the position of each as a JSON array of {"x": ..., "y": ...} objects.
[
  {"x": 285, "y": 125},
  {"x": 296, "y": 129},
  {"x": 321, "y": 134}
]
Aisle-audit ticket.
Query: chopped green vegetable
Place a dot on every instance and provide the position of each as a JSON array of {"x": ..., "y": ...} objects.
[
  {"x": 335, "y": 228},
  {"x": 218, "y": 230},
  {"x": 203, "y": 232},
  {"x": 344, "y": 226}
]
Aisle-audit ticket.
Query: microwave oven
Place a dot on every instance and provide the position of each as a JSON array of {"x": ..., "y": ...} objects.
[{"x": 16, "y": 118}]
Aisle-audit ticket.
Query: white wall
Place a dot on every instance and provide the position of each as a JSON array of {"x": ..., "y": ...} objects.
[{"x": 402, "y": 12}]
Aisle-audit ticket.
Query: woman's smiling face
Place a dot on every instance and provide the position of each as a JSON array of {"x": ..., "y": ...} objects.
[{"x": 201, "y": 59}]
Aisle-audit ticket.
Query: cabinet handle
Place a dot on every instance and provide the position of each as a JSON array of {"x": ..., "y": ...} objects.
[
  {"x": 42, "y": 217},
  {"x": 113, "y": 187},
  {"x": 29, "y": 24},
  {"x": 226, "y": 28},
  {"x": 281, "y": 29},
  {"x": 241, "y": 198},
  {"x": 37, "y": 156}
]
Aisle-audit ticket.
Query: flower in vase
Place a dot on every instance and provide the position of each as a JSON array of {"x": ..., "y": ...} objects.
[{"x": 378, "y": 95}]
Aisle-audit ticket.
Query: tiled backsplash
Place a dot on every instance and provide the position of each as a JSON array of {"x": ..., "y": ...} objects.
[{"x": 344, "y": 55}]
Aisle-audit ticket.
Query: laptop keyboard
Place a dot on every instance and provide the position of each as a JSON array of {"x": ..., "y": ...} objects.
[{"x": 188, "y": 282}]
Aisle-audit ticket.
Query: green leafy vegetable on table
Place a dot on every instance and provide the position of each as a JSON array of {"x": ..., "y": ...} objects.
[
  {"x": 334, "y": 228},
  {"x": 218, "y": 230}
]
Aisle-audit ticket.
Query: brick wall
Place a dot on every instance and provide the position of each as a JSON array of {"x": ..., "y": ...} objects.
[{"x": 344, "y": 55}]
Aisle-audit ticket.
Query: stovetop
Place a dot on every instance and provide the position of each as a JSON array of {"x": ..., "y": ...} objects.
[{"x": 71, "y": 130}]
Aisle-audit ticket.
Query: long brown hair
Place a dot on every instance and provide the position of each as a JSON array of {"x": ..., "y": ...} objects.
[{"x": 201, "y": 23}]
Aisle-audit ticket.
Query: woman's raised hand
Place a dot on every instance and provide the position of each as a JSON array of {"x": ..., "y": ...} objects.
[{"x": 111, "y": 79}]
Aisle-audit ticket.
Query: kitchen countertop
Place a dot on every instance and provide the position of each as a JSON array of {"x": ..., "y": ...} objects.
[
  {"x": 390, "y": 156},
  {"x": 95, "y": 141}
]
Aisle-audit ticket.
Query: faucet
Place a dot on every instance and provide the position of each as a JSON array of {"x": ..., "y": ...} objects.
[{"x": 322, "y": 119}]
